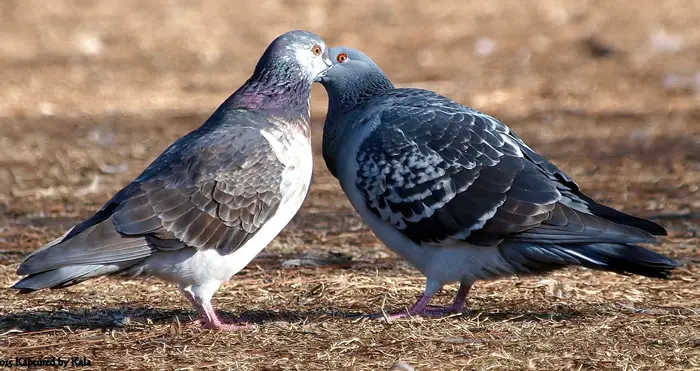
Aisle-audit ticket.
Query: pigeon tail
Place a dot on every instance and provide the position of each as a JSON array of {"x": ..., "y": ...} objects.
[
  {"x": 619, "y": 258},
  {"x": 625, "y": 219},
  {"x": 68, "y": 276},
  {"x": 96, "y": 251}
]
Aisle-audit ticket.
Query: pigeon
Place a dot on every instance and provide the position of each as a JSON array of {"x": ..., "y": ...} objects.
[
  {"x": 460, "y": 196},
  {"x": 212, "y": 200}
]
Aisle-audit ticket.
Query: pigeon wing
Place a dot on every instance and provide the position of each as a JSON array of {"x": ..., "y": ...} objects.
[
  {"x": 216, "y": 195},
  {"x": 439, "y": 172}
]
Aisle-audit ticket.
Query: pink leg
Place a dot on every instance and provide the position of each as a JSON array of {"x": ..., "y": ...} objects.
[
  {"x": 460, "y": 298},
  {"x": 418, "y": 309},
  {"x": 207, "y": 313},
  {"x": 212, "y": 321},
  {"x": 421, "y": 307}
]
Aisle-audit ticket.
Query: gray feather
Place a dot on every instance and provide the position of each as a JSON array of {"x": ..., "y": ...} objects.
[
  {"x": 620, "y": 258},
  {"x": 63, "y": 276},
  {"x": 97, "y": 245},
  {"x": 74, "y": 274}
]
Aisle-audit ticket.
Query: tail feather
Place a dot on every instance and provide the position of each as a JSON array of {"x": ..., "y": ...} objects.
[
  {"x": 619, "y": 258},
  {"x": 95, "y": 251},
  {"x": 100, "y": 244},
  {"x": 53, "y": 278},
  {"x": 73, "y": 274},
  {"x": 625, "y": 219},
  {"x": 624, "y": 259},
  {"x": 56, "y": 278}
]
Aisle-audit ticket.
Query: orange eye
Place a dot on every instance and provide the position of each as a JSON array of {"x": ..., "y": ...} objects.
[
  {"x": 342, "y": 57},
  {"x": 317, "y": 50}
]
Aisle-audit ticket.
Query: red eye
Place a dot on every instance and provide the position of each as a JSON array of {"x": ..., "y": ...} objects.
[
  {"x": 342, "y": 57},
  {"x": 317, "y": 50}
]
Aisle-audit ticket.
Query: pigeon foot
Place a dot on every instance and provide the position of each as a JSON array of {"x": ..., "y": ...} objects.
[
  {"x": 422, "y": 309},
  {"x": 218, "y": 325},
  {"x": 210, "y": 320}
]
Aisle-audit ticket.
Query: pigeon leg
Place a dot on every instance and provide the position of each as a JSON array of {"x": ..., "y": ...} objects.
[
  {"x": 200, "y": 298},
  {"x": 212, "y": 321},
  {"x": 421, "y": 307},
  {"x": 461, "y": 297},
  {"x": 457, "y": 305}
]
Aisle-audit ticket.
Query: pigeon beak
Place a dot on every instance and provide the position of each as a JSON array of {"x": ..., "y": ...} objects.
[
  {"x": 329, "y": 65},
  {"x": 327, "y": 59},
  {"x": 322, "y": 76}
]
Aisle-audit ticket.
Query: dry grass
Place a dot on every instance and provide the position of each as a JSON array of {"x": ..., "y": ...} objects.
[{"x": 93, "y": 91}]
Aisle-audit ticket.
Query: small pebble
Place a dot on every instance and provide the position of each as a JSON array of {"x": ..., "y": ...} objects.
[
  {"x": 401, "y": 366},
  {"x": 484, "y": 46},
  {"x": 90, "y": 44},
  {"x": 599, "y": 49},
  {"x": 662, "y": 42}
]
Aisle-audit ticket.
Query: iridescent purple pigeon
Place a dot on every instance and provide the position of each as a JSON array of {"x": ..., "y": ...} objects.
[{"x": 213, "y": 200}]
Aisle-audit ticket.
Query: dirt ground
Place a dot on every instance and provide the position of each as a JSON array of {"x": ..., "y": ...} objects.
[{"x": 92, "y": 91}]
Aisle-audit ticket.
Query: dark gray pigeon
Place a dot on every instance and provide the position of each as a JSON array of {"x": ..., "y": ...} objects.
[
  {"x": 216, "y": 197},
  {"x": 461, "y": 197}
]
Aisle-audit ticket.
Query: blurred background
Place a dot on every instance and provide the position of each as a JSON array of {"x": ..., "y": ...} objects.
[
  {"x": 91, "y": 91},
  {"x": 89, "y": 58}
]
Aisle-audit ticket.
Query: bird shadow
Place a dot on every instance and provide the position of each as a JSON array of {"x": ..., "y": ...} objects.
[
  {"x": 110, "y": 318},
  {"x": 491, "y": 315},
  {"x": 41, "y": 320},
  {"x": 527, "y": 316},
  {"x": 262, "y": 316}
]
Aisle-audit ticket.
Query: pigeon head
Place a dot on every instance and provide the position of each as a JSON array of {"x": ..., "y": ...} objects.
[
  {"x": 349, "y": 59},
  {"x": 297, "y": 52},
  {"x": 281, "y": 82},
  {"x": 353, "y": 78}
]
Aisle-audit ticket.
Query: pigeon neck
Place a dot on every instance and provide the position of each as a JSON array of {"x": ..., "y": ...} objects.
[
  {"x": 284, "y": 93},
  {"x": 355, "y": 90},
  {"x": 343, "y": 97}
]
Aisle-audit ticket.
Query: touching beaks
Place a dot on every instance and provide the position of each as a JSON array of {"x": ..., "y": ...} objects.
[
  {"x": 329, "y": 65},
  {"x": 327, "y": 59},
  {"x": 322, "y": 75}
]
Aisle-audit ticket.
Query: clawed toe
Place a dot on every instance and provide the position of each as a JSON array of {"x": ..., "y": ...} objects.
[
  {"x": 228, "y": 326},
  {"x": 216, "y": 324}
]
